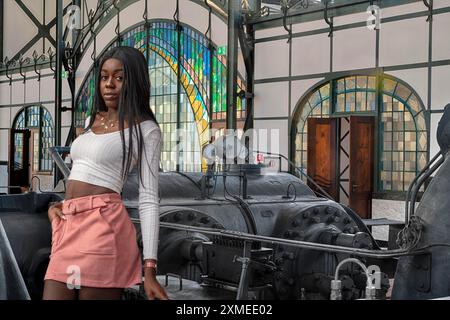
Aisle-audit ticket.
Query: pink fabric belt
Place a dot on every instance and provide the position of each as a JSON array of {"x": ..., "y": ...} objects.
[{"x": 76, "y": 205}]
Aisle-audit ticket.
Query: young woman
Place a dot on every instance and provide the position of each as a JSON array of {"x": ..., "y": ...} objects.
[{"x": 94, "y": 250}]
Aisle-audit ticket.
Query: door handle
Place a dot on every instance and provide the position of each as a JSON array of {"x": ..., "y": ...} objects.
[{"x": 354, "y": 186}]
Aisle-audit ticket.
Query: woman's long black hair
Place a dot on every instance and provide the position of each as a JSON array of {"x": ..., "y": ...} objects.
[{"x": 134, "y": 101}]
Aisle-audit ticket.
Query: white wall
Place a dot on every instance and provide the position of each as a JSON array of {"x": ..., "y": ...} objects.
[
  {"x": 273, "y": 99},
  {"x": 359, "y": 53},
  {"x": 271, "y": 59},
  {"x": 310, "y": 54}
]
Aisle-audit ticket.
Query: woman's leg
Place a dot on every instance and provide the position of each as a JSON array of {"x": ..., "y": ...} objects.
[
  {"x": 55, "y": 290},
  {"x": 89, "y": 293}
]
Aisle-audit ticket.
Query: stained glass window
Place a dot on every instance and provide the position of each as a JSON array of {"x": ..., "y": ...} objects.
[
  {"x": 200, "y": 75},
  {"x": 36, "y": 117},
  {"x": 46, "y": 141},
  {"x": 18, "y": 154},
  {"x": 163, "y": 102},
  {"x": 355, "y": 94},
  {"x": 402, "y": 124}
]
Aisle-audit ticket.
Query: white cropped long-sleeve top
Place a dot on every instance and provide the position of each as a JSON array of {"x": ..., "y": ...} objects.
[{"x": 97, "y": 159}]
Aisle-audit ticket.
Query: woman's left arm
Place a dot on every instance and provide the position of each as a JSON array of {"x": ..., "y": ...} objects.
[{"x": 149, "y": 211}]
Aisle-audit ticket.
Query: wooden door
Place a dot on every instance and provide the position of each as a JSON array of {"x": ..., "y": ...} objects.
[
  {"x": 361, "y": 165},
  {"x": 322, "y": 154},
  {"x": 19, "y": 164}
]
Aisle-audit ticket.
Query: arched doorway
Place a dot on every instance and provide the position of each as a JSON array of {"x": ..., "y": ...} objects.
[
  {"x": 360, "y": 136},
  {"x": 31, "y": 135}
]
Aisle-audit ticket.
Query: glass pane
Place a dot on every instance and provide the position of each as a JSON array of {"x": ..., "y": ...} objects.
[
  {"x": 317, "y": 111},
  {"x": 304, "y": 145},
  {"x": 306, "y": 111},
  {"x": 340, "y": 85},
  {"x": 386, "y": 121},
  {"x": 340, "y": 103},
  {"x": 326, "y": 107},
  {"x": 414, "y": 104},
  {"x": 361, "y": 82},
  {"x": 298, "y": 157},
  {"x": 422, "y": 160},
  {"x": 410, "y": 141},
  {"x": 386, "y": 179},
  {"x": 420, "y": 121},
  {"x": 422, "y": 141},
  {"x": 410, "y": 161},
  {"x": 397, "y": 119},
  {"x": 409, "y": 121},
  {"x": 397, "y": 165},
  {"x": 387, "y": 141},
  {"x": 18, "y": 154},
  {"x": 315, "y": 99},
  {"x": 361, "y": 101},
  {"x": 397, "y": 139},
  {"x": 408, "y": 177},
  {"x": 397, "y": 105},
  {"x": 325, "y": 91},
  {"x": 372, "y": 83},
  {"x": 350, "y": 83},
  {"x": 402, "y": 92},
  {"x": 371, "y": 101},
  {"x": 387, "y": 161},
  {"x": 397, "y": 181},
  {"x": 350, "y": 102},
  {"x": 389, "y": 86},
  {"x": 387, "y": 103}
]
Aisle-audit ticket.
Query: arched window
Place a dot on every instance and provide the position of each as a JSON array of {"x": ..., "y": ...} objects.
[
  {"x": 40, "y": 121},
  {"x": 203, "y": 88},
  {"x": 402, "y": 149}
]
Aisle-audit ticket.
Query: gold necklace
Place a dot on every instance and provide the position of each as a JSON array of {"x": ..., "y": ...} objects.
[{"x": 111, "y": 124}]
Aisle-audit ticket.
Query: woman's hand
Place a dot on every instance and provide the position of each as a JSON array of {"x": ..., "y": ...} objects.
[
  {"x": 55, "y": 211},
  {"x": 152, "y": 287}
]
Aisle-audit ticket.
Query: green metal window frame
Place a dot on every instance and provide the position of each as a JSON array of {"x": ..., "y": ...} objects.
[{"x": 37, "y": 116}]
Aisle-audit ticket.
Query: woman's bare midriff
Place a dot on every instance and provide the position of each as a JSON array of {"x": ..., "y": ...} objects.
[{"x": 76, "y": 189}]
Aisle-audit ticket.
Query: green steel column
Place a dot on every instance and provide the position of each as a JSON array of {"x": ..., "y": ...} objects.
[
  {"x": 1, "y": 28},
  {"x": 232, "y": 51},
  {"x": 58, "y": 80}
]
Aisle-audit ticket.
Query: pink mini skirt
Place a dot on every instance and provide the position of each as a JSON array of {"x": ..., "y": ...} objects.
[{"x": 96, "y": 246}]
